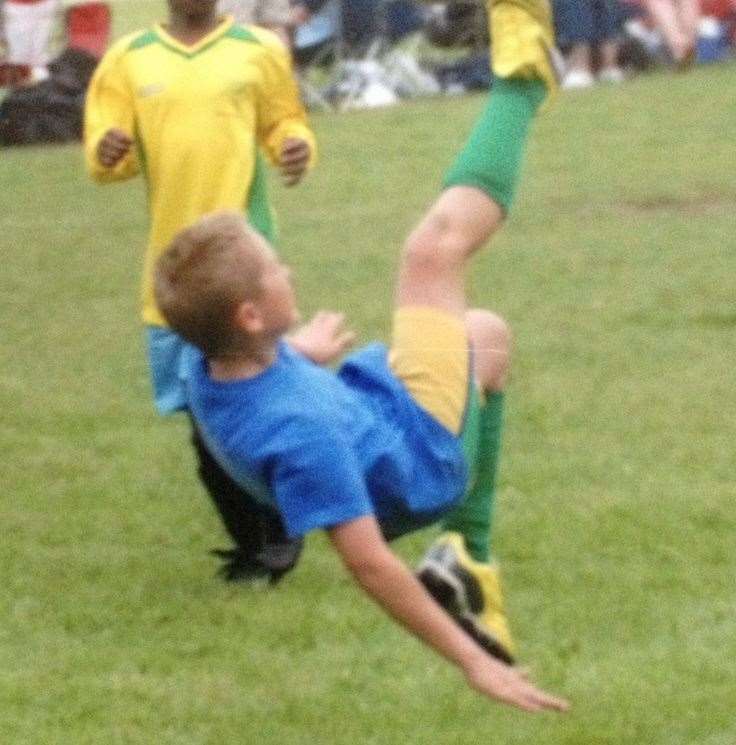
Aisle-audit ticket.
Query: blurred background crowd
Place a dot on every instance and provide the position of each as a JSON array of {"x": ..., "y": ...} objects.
[{"x": 356, "y": 53}]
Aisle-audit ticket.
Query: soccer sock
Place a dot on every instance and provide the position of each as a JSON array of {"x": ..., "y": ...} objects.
[
  {"x": 473, "y": 518},
  {"x": 492, "y": 157}
]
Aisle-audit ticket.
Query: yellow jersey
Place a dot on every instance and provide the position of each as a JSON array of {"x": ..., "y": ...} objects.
[{"x": 199, "y": 115}]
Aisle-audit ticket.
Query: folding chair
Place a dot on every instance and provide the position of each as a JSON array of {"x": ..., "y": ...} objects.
[
  {"x": 12, "y": 75},
  {"x": 88, "y": 27},
  {"x": 390, "y": 71},
  {"x": 315, "y": 46},
  {"x": 366, "y": 69},
  {"x": 27, "y": 28}
]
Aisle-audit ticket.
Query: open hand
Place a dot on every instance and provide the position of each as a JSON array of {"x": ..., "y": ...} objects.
[
  {"x": 510, "y": 685},
  {"x": 114, "y": 145},
  {"x": 294, "y": 160},
  {"x": 324, "y": 338}
]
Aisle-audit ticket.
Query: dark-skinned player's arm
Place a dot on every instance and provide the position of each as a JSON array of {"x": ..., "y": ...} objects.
[
  {"x": 389, "y": 582},
  {"x": 283, "y": 130},
  {"x": 109, "y": 122}
]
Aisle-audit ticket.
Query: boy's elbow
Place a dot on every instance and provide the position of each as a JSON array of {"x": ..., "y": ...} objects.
[{"x": 369, "y": 568}]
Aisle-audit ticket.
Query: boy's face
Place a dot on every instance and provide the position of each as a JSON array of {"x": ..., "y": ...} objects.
[{"x": 277, "y": 300}]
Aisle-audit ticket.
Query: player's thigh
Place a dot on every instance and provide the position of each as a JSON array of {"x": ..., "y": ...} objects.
[{"x": 430, "y": 354}]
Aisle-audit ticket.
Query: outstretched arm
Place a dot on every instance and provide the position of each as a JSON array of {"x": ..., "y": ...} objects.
[
  {"x": 324, "y": 338},
  {"x": 390, "y": 583}
]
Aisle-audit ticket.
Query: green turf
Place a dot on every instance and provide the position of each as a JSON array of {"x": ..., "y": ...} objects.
[
  {"x": 130, "y": 15},
  {"x": 616, "y": 523}
]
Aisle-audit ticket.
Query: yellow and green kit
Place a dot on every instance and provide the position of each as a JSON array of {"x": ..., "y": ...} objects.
[{"x": 200, "y": 116}]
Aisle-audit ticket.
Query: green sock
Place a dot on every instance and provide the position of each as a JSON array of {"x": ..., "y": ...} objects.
[
  {"x": 473, "y": 518},
  {"x": 492, "y": 157}
]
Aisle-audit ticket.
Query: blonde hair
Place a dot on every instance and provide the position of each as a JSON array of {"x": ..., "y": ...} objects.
[{"x": 207, "y": 271}]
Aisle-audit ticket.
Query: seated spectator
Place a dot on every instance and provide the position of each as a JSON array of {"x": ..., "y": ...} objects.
[
  {"x": 677, "y": 21},
  {"x": 355, "y": 38},
  {"x": 586, "y": 28},
  {"x": 28, "y": 25},
  {"x": 318, "y": 25},
  {"x": 275, "y": 15},
  {"x": 724, "y": 11},
  {"x": 356, "y": 20},
  {"x": 680, "y": 32}
]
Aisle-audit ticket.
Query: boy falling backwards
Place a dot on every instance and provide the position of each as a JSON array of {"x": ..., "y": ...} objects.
[{"x": 396, "y": 439}]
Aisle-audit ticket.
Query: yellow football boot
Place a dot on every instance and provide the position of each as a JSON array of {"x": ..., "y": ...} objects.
[
  {"x": 470, "y": 592},
  {"x": 523, "y": 41}
]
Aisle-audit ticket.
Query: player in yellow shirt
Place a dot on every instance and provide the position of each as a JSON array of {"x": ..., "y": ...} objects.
[{"x": 190, "y": 104}]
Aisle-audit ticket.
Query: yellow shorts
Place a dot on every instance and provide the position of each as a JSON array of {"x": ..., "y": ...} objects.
[{"x": 430, "y": 354}]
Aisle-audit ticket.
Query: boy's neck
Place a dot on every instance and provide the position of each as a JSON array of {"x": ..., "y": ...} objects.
[
  {"x": 246, "y": 365},
  {"x": 189, "y": 30}
]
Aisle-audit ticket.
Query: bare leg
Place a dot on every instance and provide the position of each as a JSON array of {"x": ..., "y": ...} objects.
[
  {"x": 579, "y": 58},
  {"x": 689, "y": 13},
  {"x": 667, "y": 18},
  {"x": 463, "y": 551},
  {"x": 490, "y": 339},
  {"x": 609, "y": 55},
  {"x": 28, "y": 30},
  {"x": 432, "y": 271}
]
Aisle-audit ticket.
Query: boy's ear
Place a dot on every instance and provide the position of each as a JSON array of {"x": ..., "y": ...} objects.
[{"x": 248, "y": 318}]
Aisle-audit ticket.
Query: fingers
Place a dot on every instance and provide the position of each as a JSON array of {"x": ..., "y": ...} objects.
[
  {"x": 294, "y": 151},
  {"x": 332, "y": 325},
  {"x": 510, "y": 686},
  {"x": 330, "y": 318},
  {"x": 532, "y": 699},
  {"x": 329, "y": 321},
  {"x": 294, "y": 160},
  {"x": 114, "y": 146},
  {"x": 346, "y": 340},
  {"x": 541, "y": 700}
]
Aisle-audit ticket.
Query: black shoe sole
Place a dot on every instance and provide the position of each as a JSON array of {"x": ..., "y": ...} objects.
[
  {"x": 446, "y": 595},
  {"x": 270, "y": 564}
]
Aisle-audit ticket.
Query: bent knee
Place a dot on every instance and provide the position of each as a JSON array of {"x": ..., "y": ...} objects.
[
  {"x": 435, "y": 246},
  {"x": 490, "y": 338}
]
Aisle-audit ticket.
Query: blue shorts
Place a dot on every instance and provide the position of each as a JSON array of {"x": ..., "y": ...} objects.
[
  {"x": 586, "y": 21},
  {"x": 168, "y": 358}
]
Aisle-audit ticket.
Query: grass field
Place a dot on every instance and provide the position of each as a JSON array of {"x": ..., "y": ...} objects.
[{"x": 616, "y": 524}]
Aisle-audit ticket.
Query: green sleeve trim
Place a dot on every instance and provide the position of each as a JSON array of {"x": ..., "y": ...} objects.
[
  {"x": 142, "y": 159},
  {"x": 258, "y": 210},
  {"x": 241, "y": 34},
  {"x": 146, "y": 38}
]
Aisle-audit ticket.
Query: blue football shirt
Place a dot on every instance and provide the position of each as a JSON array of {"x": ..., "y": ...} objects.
[{"x": 324, "y": 448}]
